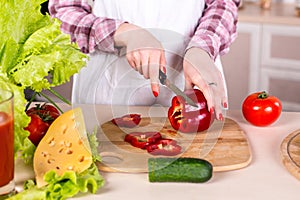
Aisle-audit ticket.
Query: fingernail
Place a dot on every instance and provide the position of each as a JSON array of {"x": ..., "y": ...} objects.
[
  {"x": 212, "y": 110},
  {"x": 155, "y": 89},
  {"x": 225, "y": 105},
  {"x": 221, "y": 117},
  {"x": 165, "y": 69}
]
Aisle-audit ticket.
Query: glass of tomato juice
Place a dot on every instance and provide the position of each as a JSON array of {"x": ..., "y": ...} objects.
[{"x": 7, "y": 184}]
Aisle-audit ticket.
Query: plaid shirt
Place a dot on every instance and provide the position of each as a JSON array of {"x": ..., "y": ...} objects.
[{"x": 215, "y": 32}]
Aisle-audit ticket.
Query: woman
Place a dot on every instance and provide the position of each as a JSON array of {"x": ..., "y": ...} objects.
[{"x": 184, "y": 39}]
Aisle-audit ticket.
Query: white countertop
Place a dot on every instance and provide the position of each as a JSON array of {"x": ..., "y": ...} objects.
[
  {"x": 265, "y": 178},
  {"x": 279, "y": 13}
]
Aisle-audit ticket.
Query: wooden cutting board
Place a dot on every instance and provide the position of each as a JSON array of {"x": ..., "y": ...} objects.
[
  {"x": 224, "y": 144},
  {"x": 290, "y": 153}
]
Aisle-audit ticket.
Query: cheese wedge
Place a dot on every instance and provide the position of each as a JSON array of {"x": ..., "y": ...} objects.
[{"x": 64, "y": 147}]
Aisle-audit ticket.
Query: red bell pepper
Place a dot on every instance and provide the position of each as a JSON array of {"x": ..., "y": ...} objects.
[
  {"x": 166, "y": 147},
  {"x": 187, "y": 118},
  {"x": 129, "y": 120},
  {"x": 142, "y": 139}
]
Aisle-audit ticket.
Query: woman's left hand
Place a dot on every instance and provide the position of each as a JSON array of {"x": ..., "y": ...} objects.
[{"x": 201, "y": 71}]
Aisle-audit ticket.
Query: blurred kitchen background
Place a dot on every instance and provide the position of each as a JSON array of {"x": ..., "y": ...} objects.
[{"x": 265, "y": 56}]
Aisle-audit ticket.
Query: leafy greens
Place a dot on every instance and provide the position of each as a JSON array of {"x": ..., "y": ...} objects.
[
  {"x": 34, "y": 54},
  {"x": 67, "y": 185}
]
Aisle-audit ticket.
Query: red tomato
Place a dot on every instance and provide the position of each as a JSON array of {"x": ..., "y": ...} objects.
[
  {"x": 260, "y": 109},
  {"x": 47, "y": 113},
  {"x": 50, "y": 108},
  {"x": 41, "y": 118},
  {"x": 37, "y": 128}
]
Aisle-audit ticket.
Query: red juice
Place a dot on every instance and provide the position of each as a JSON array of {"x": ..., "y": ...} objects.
[{"x": 6, "y": 149}]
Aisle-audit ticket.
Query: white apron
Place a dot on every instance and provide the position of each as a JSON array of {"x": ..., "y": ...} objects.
[{"x": 109, "y": 79}]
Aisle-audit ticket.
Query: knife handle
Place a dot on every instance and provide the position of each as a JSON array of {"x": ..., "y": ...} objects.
[{"x": 162, "y": 77}]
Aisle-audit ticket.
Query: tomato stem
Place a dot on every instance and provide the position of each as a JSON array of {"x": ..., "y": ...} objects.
[
  {"x": 51, "y": 101},
  {"x": 263, "y": 95}
]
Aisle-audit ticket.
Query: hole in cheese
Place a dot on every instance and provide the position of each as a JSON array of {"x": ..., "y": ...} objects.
[
  {"x": 81, "y": 158},
  {"x": 67, "y": 144},
  {"x": 50, "y": 160},
  {"x": 45, "y": 154},
  {"x": 69, "y": 151},
  {"x": 51, "y": 142},
  {"x": 65, "y": 128}
]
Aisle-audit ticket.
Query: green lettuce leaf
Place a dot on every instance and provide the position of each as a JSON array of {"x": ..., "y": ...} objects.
[
  {"x": 34, "y": 54},
  {"x": 93, "y": 140},
  {"x": 47, "y": 52},
  {"x": 62, "y": 187},
  {"x": 67, "y": 185}
]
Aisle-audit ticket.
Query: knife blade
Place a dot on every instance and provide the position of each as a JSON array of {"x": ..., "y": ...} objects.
[{"x": 165, "y": 81}]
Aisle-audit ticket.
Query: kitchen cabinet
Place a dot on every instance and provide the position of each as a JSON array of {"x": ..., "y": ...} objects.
[
  {"x": 280, "y": 64},
  {"x": 265, "y": 56},
  {"x": 241, "y": 65}
]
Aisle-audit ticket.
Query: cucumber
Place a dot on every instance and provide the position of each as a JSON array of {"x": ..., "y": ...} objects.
[{"x": 183, "y": 169}]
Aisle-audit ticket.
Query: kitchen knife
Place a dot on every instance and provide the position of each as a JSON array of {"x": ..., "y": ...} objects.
[{"x": 165, "y": 81}]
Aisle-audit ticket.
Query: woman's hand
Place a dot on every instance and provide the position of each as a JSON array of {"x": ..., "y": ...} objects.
[
  {"x": 201, "y": 71},
  {"x": 144, "y": 52}
]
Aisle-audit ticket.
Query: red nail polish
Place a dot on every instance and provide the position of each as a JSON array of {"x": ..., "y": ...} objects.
[
  {"x": 221, "y": 117},
  {"x": 212, "y": 110},
  {"x": 225, "y": 105},
  {"x": 165, "y": 69},
  {"x": 155, "y": 93}
]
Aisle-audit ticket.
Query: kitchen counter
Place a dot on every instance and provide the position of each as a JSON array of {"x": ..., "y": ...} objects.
[
  {"x": 279, "y": 13},
  {"x": 264, "y": 178}
]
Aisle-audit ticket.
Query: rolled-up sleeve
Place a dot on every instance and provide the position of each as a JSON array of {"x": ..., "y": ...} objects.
[
  {"x": 87, "y": 30},
  {"x": 216, "y": 29}
]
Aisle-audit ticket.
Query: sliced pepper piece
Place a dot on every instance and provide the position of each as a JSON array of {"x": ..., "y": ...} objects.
[
  {"x": 129, "y": 120},
  {"x": 142, "y": 139},
  {"x": 166, "y": 147},
  {"x": 187, "y": 118}
]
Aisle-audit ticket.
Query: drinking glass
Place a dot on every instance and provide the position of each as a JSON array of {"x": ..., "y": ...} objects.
[{"x": 7, "y": 184}]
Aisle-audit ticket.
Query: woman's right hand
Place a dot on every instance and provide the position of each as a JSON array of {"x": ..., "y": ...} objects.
[{"x": 144, "y": 52}]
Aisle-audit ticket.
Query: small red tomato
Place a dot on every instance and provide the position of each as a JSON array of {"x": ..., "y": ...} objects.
[
  {"x": 51, "y": 110},
  {"x": 260, "y": 109},
  {"x": 47, "y": 112},
  {"x": 37, "y": 128},
  {"x": 42, "y": 117}
]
